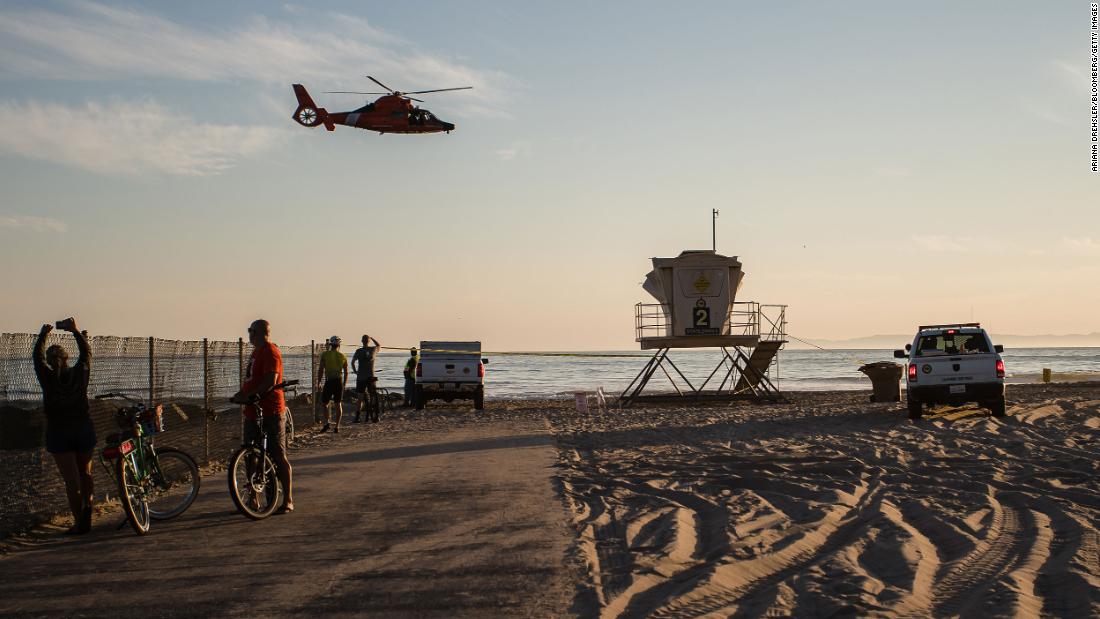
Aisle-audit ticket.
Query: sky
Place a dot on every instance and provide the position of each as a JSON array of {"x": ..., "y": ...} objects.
[{"x": 876, "y": 166}]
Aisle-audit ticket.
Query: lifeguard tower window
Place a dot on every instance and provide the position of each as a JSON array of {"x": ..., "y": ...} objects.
[{"x": 952, "y": 344}]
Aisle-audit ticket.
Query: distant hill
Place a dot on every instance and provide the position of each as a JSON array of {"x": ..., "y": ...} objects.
[{"x": 1008, "y": 341}]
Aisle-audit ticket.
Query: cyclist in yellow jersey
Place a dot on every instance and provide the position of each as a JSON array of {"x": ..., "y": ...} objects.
[{"x": 333, "y": 371}]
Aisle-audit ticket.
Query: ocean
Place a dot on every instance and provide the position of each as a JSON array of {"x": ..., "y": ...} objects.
[{"x": 530, "y": 376}]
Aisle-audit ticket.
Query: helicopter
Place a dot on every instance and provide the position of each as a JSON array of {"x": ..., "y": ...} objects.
[{"x": 393, "y": 112}]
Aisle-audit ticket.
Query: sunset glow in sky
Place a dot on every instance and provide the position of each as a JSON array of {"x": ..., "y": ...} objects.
[{"x": 876, "y": 166}]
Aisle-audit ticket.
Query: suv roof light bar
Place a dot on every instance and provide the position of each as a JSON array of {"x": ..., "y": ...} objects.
[{"x": 956, "y": 324}]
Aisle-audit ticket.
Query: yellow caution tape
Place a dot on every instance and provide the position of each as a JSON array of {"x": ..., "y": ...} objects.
[
  {"x": 518, "y": 354},
  {"x": 851, "y": 357}
]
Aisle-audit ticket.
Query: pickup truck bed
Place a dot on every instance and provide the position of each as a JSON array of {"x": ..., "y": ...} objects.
[{"x": 450, "y": 371}]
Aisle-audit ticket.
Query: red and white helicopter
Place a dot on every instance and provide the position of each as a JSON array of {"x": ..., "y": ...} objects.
[{"x": 391, "y": 113}]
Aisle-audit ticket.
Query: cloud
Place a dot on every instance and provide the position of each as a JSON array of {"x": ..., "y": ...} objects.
[
  {"x": 941, "y": 243},
  {"x": 1076, "y": 75},
  {"x": 30, "y": 222},
  {"x": 94, "y": 41},
  {"x": 1085, "y": 246},
  {"x": 125, "y": 138}
]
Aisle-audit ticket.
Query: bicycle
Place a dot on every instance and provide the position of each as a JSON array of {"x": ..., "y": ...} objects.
[
  {"x": 253, "y": 476},
  {"x": 153, "y": 484},
  {"x": 376, "y": 401},
  {"x": 288, "y": 418},
  {"x": 385, "y": 402}
]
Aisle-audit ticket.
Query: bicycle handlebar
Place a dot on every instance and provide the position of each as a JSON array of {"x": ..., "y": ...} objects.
[
  {"x": 283, "y": 385},
  {"x": 113, "y": 394}
]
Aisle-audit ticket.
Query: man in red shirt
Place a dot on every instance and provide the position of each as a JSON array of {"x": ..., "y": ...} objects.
[{"x": 265, "y": 370}]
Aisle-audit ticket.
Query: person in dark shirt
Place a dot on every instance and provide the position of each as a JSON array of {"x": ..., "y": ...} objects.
[
  {"x": 410, "y": 376},
  {"x": 362, "y": 363},
  {"x": 70, "y": 434}
]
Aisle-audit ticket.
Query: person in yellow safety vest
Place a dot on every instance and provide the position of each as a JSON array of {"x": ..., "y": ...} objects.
[
  {"x": 410, "y": 376},
  {"x": 334, "y": 370}
]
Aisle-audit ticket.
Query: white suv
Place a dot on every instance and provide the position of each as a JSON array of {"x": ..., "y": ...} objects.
[{"x": 954, "y": 364}]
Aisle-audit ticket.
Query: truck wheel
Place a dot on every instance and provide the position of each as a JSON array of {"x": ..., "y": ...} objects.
[
  {"x": 479, "y": 400},
  {"x": 418, "y": 398},
  {"x": 914, "y": 408},
  {"x": 997, "y": 407}
]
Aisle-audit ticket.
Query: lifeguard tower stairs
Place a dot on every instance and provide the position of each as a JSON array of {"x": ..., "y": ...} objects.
[{"x": 696, "y": 308}]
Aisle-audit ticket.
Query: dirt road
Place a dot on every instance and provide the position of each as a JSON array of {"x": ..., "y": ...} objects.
[{"x": 438, "y": 518}]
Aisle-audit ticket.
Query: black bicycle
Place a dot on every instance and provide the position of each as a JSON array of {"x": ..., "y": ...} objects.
[{"x": 253, "y": 476}]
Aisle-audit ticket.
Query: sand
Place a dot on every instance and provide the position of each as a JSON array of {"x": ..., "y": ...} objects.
[
  {"x": 825, "y": 505},
  {"x": 829, "y": 505}
]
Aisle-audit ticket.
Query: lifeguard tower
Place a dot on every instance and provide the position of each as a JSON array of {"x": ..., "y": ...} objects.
[{"x": 697, "y": 308}]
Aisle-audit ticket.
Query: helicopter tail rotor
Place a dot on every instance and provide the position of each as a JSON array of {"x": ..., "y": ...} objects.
[{"x": 308, "y": 114}]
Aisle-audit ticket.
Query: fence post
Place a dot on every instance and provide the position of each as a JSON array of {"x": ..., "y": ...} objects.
[
  {"x": 152, "y": 370},
  {"x": 312, "y": 372},
  {"x": 205, "y": 401}
]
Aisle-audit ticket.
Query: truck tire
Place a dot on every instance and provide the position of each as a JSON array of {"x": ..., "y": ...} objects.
[
  {"x": 479, "y": 399},
  {"x": 997, "y": 407},
  {"x": 914, "y": 408},
  {"x": 418, "y": 398}
]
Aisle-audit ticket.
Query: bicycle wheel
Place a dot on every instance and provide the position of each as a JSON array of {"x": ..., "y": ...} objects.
[
  {"x": 175, "y": 484},
  {"x": 288, "y": 420},
  {"x": 132, "y": 496},
  {"x": 253, "y": 483}
]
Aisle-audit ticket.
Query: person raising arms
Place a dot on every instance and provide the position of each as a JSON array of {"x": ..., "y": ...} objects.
[
  {"x": 362, "y": 363},
  {"x": 70, "y": 433}
]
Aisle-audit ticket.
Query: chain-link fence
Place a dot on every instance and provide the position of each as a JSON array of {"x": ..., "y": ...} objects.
[{"x": 194, "y": 379}]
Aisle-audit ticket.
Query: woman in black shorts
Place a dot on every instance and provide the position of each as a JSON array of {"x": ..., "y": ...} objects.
[{"x": 70, "y": 434}]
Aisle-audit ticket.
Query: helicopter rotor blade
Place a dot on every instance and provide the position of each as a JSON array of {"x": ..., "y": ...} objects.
[
  {"x": 391, "y": 91},
  {"x": 421, "y": 92},
  {"x": 353, "y": 92},
  {"x": 413, "y": 99}
]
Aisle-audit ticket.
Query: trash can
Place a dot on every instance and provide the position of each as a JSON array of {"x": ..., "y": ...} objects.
[{"x": 885, "y": 380}]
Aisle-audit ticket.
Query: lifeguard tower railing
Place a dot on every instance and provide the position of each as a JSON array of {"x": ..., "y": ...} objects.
[{"x": 768, "y": 322}]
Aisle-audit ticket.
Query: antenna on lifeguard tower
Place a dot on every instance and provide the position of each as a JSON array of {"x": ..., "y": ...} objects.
[{"x": 714, "y": 229}]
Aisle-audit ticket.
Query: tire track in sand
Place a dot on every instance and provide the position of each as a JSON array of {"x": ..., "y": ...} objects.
[
  {"x": 701, "y": 540},
  {"x": 966, "y": 581},
  {"x": 919, "y": 600},
  {"x": 751, "y": 578},
  {"x": 1063, "y": 592}
]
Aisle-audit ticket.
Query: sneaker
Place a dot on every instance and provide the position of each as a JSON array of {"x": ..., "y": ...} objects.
[
  {"x": 336, "y": 430},
  {"x": 325, "y": 428}
]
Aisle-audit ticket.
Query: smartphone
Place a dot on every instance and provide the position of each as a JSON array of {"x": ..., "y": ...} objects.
[{"x": 65, "y": 324}]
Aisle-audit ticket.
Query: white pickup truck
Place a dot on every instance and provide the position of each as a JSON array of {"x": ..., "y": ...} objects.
[
  {"x": 450, "y": 371},
  {"x": 953, "y": 364}
]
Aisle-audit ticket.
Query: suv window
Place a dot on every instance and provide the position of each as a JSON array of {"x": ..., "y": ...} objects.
[{"x": 952, "y": 344}]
